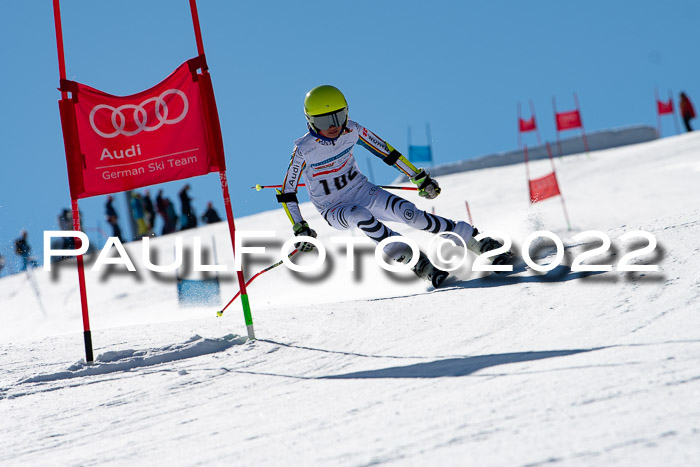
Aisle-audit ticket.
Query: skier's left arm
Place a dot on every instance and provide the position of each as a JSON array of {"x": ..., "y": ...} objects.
[{"x": 427, "y": 187}]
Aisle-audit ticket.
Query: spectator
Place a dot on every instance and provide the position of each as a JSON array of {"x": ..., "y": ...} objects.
[
  {"x": 210, "y": 215},
  {"x": 23, "y": 249},
  {"x": 172, "y": 216},
  {"x": 162, "y": 208},
  {"x": 149, "y": 213},
  {"x": 113, "y": 218},
  {"x": 65, "y": 222},
  {"x": 137, "y": 212},
  {"x": 189, "y": 220},
  {"x": 687, "y": 111}
]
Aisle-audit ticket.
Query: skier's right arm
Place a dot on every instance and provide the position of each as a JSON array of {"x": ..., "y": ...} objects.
[{"x": 288, "y": 197}]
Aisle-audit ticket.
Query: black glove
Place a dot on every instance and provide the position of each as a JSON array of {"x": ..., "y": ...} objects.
[
  {"x": 427, "y": 187},
  {"x": 302, "y": 228}
]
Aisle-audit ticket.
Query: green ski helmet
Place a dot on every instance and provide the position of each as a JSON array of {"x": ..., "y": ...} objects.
[{"x": 325, "y": 107}]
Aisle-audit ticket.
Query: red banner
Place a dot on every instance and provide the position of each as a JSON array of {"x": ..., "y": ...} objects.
[
  {"x": 664, "y": 108},
  {"x": 527, "y": 125},
  {"x": 543, "y": 188},
  {"x": 568, "y": 120},
  {"x": 116, "y": 143}
]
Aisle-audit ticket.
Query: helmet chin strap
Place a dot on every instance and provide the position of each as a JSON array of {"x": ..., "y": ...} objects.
[{"x": 313, "y": 132}]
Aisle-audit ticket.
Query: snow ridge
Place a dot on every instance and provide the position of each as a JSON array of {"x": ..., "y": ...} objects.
[{"x": 127, "y": 360}]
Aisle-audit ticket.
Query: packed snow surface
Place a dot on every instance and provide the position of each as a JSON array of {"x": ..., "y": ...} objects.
[{"x": 365, "y": 367}]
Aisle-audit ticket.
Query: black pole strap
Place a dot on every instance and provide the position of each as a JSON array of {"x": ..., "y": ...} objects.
[
  {"x": 287, "y": 198},
  {"x": 392, "y": 157}
]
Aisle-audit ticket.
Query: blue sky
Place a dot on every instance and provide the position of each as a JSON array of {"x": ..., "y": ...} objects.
[{"x": 460, "y": 65}]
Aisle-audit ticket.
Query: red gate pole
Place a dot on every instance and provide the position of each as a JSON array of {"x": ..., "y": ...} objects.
[
  {"x": 580, "y": 120},
  {"x": 469, "y": 212},
  {"x": 556, "y": 123},
  {"x": 87, "y": 334},
  {"x": 537, "y": 128},
  {"x": 658, "y": 116},
  {"x": 561, "y": 197},
  {"x": 197, "y": 29},
  {"x": 247, "y": 315},
  {"x": 673, "y": 111},
  {"x": 59, "y": 43},
  {"x": 527, "y": 173},
  {"x": 520, "y": 138},
  {"x": 224, "y": 184}
]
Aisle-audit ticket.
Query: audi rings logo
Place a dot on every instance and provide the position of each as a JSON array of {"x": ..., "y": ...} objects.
[{"x": 140, "y": 116}]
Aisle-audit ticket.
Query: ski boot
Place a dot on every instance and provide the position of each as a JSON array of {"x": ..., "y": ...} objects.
[
  {"x": 425, "y": 269},
  {"x": 489, "y": 244}
]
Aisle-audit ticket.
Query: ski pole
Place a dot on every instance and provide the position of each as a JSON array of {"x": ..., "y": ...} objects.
[
  {"x": 259, "y": 187},
  {"x": 35, "y": 288},
  {"x": 221, "y": 312}
]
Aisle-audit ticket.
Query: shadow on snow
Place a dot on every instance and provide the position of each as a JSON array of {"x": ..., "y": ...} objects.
[
  {"x": 561, "y": 273},
  {"x": 456, "y": 366}
]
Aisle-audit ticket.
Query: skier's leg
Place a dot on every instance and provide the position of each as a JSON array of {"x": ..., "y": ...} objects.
[
  {"x": 686, "y": 121},
  {"x": 349, "y": 216},
  {"x": 346, "y": 217},
  {"x": 389, "y": 207}
]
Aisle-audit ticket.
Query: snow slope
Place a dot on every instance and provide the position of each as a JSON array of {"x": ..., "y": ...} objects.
[{"x": 363, "y": 367}]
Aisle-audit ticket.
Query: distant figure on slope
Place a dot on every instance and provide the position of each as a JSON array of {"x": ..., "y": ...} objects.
[
  {"x": 149, "y": 214},
  {"x": 137, "y": 212},
  {"x": 23, "y": 250},
  {"x": 65, "y": 222},
  {"x": 162, "y": 208},
  {"x": 687, "y": 111},
  {"x": 113, "y": 218},
  {"x": 172, "y": 216},
  {"x": 189, "y": 220},
  {"x": 347, "y": 199},
  {"x": 210, "y": 215}
]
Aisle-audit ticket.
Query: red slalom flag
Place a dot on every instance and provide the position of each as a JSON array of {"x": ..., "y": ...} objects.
[
  {"x": 527, "y": 125},
  {"x": 119, "y": 143},
  {"x": 543, "y": 188},
  {"x": 568, "y": 120},
  {"x": 664, "y": 108}
]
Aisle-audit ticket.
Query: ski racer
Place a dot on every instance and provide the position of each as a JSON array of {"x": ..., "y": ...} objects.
[{"x": 347, "y": 199}]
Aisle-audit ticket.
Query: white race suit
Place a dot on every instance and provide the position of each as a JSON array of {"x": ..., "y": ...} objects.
[{"x": 344, "y": 196}]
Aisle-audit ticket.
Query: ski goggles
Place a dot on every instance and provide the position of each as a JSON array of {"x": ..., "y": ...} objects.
[{"x": 331, "y": 119}]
